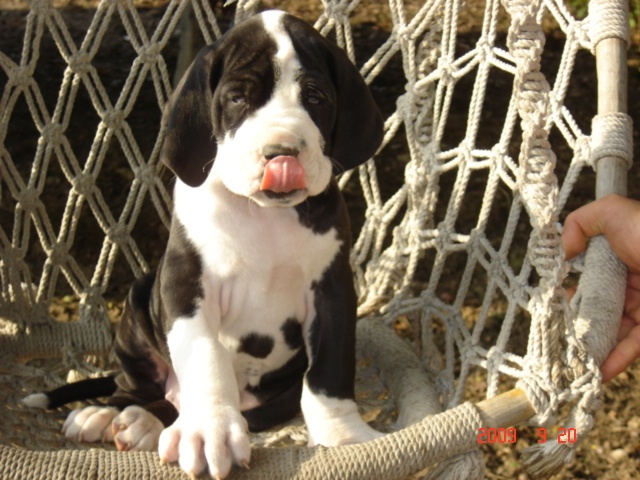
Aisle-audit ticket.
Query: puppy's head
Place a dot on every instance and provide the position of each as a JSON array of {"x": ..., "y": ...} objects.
[{"x": 272, "y": 110}]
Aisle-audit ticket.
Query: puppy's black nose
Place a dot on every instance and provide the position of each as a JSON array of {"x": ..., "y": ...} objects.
[{"x": 272, "y": 151}]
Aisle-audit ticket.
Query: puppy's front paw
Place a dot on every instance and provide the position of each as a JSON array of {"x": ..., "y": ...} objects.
[
  {"x": 90, "y": 424},
  {"x": 136, "y": 429},
  {"x": 212, "y": 441}
]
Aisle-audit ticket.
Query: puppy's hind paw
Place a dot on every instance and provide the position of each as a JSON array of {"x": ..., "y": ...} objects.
[
  {"x": 90, "y": 424},
  {"x": 136, "y": 429}
]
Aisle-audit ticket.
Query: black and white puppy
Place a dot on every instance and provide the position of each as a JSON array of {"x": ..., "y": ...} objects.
[{"x": 251, "y": 314}]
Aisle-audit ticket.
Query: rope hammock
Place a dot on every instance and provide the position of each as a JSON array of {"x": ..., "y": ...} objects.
[{"x": 418, "y": 260}]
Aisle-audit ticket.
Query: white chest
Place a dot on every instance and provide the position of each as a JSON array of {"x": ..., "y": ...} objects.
[{"x": 259, "y": 266}]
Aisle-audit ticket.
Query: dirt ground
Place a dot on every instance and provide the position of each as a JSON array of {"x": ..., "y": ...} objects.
[{"x": 612, "y": 450}]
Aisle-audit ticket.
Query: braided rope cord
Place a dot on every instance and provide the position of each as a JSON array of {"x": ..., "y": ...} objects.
[{"x": 418, "y": 223}]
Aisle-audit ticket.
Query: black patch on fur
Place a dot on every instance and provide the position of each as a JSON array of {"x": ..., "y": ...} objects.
[
  {"x": 244, "y": 75},
  {"x": 180, "y": 276},
  {"x": 325, "y": 211},
  {"x": 292, "y": 332},
  {"x": 332, "y": 336},
  {"x": 336, "y": 97},
  {"x": 226, "y": 83},
  {"x": 256, "y": 345},
  {"x": 82, "y": 390},
  {"x": 279, "y": 392}
]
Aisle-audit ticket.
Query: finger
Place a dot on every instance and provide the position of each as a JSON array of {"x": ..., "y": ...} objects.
[
  {"x": 633, "y": 281},
  {"x": 584, "y": 223},
  {"x": 623, "y": 355},
  {"x": 626, "y": 325}
]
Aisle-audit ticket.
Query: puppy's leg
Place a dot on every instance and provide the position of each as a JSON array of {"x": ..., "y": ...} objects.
[
  {"x": 137, "y": 411},
  {"x": 210, "y": 431},
  {"x": 276, "y": 410},
  {"x": 328, "y": 398}
]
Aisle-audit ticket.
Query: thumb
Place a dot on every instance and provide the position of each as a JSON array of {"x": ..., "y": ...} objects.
[{"x": 584, "y": 223}]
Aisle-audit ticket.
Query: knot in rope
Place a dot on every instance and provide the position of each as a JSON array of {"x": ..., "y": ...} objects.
[
  {"x": 496, "y": 268},
  {"x": 92, "y": 296},
  {"x": 443, "y": 238},
  {"x": 147, "y": 174},
  {"x": 521, "y": 8},
  {"x": 58, "y": 253},
  {"x": 406, "y": 105},
  {"x": 80, "y": 63},
  {"x": 518, "y": 290},
  {"x": 114, "y": 119},
  {"x": 447, "y": 72},
  {"x": 28, "y": 199},
  {"x": 495, "y": 358},
  {"x": 84, "y": 184},
  {"x": 150, "y": 53},
  {"x": 526, "y": 42},
  {"x": 22, "y": 76},
  {"x": 544, "y": 248},
  {"x": 485, "y": 50},
  {"x": 580, "y": 31},
  {"x": 118, "y": 233},
  {"x": 337, "y": 11},
  {"x": 404, "y": 33},
  {"x": 582, "y": 149},
  {"x": 52, "y": 132},
  {"x": 416, "y": 175},
  {"x": 611, "y": 136},
  {"x": 543, "y": 400}
]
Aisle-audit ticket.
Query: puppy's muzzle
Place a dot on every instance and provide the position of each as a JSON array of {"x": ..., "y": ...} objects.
[{"x": 283, "y": 173}]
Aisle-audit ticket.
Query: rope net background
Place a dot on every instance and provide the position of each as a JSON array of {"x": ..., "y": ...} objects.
[{"x": 457, "y": 219}]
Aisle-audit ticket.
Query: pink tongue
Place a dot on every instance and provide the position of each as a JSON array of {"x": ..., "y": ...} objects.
[{"x": 283, "y": 174}]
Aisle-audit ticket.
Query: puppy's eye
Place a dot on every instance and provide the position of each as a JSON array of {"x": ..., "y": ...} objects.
[
  {"x": 238, "y": 99},
  {"x": 313, "y": 96}
]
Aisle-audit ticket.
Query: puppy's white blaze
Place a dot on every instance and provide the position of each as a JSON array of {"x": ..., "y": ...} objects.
[
  {"x": 334, "y": 421},
  {"x": 272, "y": 19},
  {"x": 287, "y": 88},
  {"x": 273, "y": 25}
]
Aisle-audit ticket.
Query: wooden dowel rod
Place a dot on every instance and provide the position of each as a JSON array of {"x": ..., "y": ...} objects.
[
  {"x": 611, "y": 65},
  {"x": 505, "y": 410}
]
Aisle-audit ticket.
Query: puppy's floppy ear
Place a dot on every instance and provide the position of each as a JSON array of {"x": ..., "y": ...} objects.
[
  {"x": 358, "y": 129},
  {"x": 189, "y": 145}
]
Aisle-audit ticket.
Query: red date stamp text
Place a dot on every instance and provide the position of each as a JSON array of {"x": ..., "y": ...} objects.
[{"x": 510, "y": 435}]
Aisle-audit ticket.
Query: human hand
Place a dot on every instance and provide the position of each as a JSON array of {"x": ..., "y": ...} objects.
[{"x": 618, "y": 219}]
